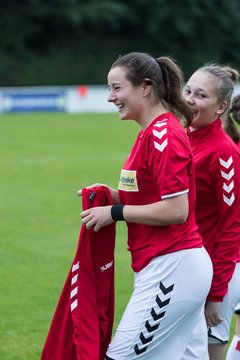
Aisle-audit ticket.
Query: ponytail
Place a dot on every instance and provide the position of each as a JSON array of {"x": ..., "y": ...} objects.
[{"x": 172, "y": 95}]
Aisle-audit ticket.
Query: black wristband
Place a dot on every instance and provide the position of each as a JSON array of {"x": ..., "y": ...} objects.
[{"x": 117, "y": 212}]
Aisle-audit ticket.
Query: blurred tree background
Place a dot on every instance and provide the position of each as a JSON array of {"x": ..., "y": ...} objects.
[{"x": 70, "y": 42}]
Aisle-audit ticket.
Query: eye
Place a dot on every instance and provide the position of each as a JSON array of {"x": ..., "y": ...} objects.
[
  {"x": 114, "y": 87},
  {"x": 117, "y": 88},
  {"x": 201, "y": 96},
  {"x": 187, "y": 91}
]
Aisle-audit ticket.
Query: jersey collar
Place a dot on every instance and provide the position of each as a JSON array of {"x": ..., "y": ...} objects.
[{"x": 205, "y": 131}]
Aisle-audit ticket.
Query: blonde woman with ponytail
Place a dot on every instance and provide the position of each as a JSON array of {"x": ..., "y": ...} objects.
[{"x": 208, "y": 95}]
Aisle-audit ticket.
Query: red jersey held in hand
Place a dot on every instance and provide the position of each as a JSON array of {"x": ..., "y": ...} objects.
[{"x": 81, "y": 327}]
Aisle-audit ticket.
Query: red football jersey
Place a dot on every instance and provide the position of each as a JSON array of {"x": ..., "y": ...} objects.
[
  {"x": 159, "y": 166},
  {"x": 217, "y": 167},
  {"x": 81, "y": 327}
]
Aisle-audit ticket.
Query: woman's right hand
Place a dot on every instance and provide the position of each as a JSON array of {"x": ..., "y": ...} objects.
[
  {"x": 212, "y": 313},
  {"x": 113, "y": 192}
]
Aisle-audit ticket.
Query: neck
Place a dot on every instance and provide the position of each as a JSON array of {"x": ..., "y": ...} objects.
[
  {"x": 195, "y": 125},
  {"x": 151, "y": 114}
]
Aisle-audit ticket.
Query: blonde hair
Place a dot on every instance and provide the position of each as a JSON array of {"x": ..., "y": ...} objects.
[{"x": 227, "y": 78}]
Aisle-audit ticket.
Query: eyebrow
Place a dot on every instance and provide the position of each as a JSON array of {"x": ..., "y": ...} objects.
[
  {"x": 115, "y": 83},
  {"x": 198, "y": 89}
]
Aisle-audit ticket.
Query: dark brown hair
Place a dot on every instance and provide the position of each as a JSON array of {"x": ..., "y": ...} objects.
[{"x": 164, "y": 75}]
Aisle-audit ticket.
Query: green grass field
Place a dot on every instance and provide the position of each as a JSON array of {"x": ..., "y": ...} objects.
[{"x": 44, "y": 160}]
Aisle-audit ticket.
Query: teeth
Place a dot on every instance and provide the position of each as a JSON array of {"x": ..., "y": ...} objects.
[{"x": 120, "y": 106}]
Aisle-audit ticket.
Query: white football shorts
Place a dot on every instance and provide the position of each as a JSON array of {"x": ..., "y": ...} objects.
[{"x": 166, "y": 304}]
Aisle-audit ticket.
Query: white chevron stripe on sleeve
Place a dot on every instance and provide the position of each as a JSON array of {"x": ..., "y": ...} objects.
[
  {"x": 74, "y": 292},
  {"x": 74, "y": 304},
  {"x": 230, "y": 200},
  {"x": 74, "y": 279},
  {"x": 229, "y": 187},
  {"x": 161, "y": 146},
  {"x": 160, "y": 124},
  {"x": 227, "y": 163},
  {"x": 75, "y": 266},
  {"x": 227, "y": 176},
  {"x": 159, "y": 134}
]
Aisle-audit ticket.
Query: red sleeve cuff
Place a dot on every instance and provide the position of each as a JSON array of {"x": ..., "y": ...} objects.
[{"x": 216, "y": 298}]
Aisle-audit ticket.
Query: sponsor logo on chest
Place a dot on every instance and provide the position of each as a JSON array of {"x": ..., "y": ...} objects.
[{"x": 128, "y": 180}]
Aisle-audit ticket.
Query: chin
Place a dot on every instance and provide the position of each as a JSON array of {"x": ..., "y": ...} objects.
[
  {"x": 196, "y": 123},
  {"x": 124, "y": 117}
]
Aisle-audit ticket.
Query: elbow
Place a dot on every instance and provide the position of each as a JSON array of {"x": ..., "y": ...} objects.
[
  {"x": 182, "y": 213},
  {"x": 181, "y": 217},
  {"x": 181, "y": 220}
]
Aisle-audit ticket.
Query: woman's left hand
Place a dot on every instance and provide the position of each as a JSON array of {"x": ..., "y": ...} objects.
[{"x": 97, "y": 217}]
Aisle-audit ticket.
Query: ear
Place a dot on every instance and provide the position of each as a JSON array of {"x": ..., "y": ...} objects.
[
  {"x": 146, "y": 86},
  {"x": 222, "y": 107}
]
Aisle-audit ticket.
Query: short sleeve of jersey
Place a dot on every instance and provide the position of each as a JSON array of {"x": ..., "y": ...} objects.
[{"x": 170, "y": 159}]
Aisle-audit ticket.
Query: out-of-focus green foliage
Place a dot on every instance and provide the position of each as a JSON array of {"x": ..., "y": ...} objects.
[{"x": 74, "y": 41}]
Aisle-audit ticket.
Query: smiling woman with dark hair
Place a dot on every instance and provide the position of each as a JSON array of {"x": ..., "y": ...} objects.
[{"x": 156, "y": 198}]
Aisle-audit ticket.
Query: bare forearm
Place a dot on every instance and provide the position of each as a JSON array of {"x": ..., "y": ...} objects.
[
  {"x": 166, "y": 212},
  {"x": 115, "y": 196}
]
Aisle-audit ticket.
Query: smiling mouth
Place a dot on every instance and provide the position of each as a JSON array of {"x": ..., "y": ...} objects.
[
  {"x": 194, "y": 113},
  {"x": 120, "y": 106}
]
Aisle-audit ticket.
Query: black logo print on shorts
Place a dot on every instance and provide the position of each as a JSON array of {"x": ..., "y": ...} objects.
[{"x": 153, "y": 323}]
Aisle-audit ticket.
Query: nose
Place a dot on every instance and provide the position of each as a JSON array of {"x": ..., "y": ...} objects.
[
  {"x": 189, "y": 98},
  {"x": 111, "y": 96}
]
